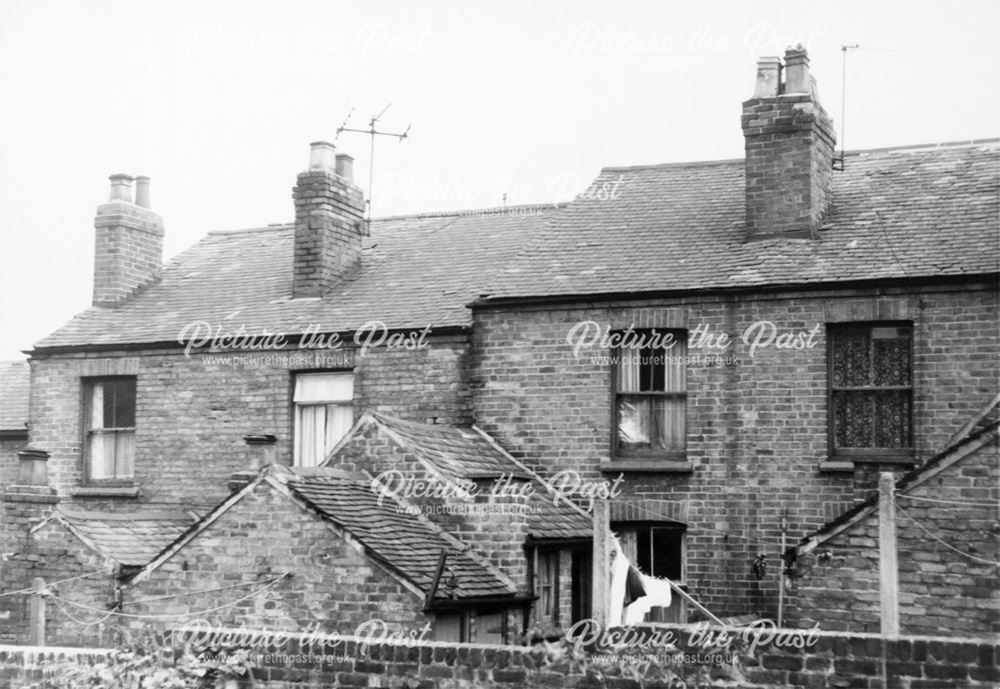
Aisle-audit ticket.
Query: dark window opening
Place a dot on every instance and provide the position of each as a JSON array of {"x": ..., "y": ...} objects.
[{"x": 581, "y": 574}]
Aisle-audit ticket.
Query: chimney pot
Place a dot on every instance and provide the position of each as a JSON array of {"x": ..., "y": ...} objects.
[
  {"x": 789, "y": 151},
  {"x": 345, "y": 166},
  {"x": 768, "y": 77},
  {"x": 321, "y": 156},
  {"x": 128, "y": 242},
  {"x": 142, "y": 191},
  {"x": 33, "y": 467},
  {"x": 262, "y": 453},
  {"x": 797, "y": 78},
  {"x": 121, "y": 187},
  {"x": 329, "y": 226},
  {"x": 262, "y": 449}
]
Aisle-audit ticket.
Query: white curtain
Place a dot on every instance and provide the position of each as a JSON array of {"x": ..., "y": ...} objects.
[
  {"x": 323, "y": 414},
  {"x": 324, "y": 387},
  {"x": 628, "y": 370},
  {"x": 112, "y": 452}
]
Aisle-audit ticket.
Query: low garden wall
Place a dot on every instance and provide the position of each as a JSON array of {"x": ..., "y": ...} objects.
[{"x": 827, "y": 660}]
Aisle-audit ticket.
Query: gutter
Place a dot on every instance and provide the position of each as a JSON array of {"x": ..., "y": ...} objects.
[
  {"x": 486, "y": 301},
  {"x": 448, "y": 604},
  {"x": 37, "y": 352}
]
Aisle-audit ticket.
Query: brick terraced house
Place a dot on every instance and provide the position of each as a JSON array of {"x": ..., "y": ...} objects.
[
  {"x": 746, "y": 343},
  {"x": 820, "y": 320}
]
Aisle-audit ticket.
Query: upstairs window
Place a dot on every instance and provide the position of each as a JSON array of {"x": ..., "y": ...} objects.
[
  {"x": 109, "y": 427},
  {"x": 871, "y": 389},
  {"x": 651, "y": 397},
  {"x": 324, "y": 412}
]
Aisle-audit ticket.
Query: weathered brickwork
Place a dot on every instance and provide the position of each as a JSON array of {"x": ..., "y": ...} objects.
[
  {"x": 328, "y": 229},
  {"x": 193, "y": 413},
  {"x": 21, "y": 508},
  {"x": 789, "y": 146},
  {"x": 55, "y": 555},
  {"x": 835, "y": 661},
  {"x": 756, "y": 430},
  {"x": 333, "y": 585},
  {"x": 940, "y": 590},
  {"x": 128, "y": 250}
]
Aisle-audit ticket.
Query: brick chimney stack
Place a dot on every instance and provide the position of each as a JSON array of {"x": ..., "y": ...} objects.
[
  {"x": 789, "y": 150},
  {"x": 329, "y": 222},
  {"x": 128, "y": 242}
]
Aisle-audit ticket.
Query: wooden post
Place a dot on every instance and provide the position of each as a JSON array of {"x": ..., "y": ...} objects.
[
  {"x": 888, "y": 566},
  {"x": 601, "y": 564},
  {"x": 36, "y": 613}
]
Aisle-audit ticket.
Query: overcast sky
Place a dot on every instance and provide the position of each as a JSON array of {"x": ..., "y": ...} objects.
[{"x": 218, "y": 101}]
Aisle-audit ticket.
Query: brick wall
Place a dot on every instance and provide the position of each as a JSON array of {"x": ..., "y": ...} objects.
[
  {"x": 192, "y": 413},
  {"x": 789, "y": 146},
  {"x": 21, "y": 509},
  {"x": 20, "y": 665},
  {"x": 939, "y": 589},
  {"x": 55, "y": 555},
  {"x": 333, "y": 586},
  {"x": 836, "y": 661},
  {"x": 328, "y": 230},
  {"x": 756, "y": 431},
  {"x": 128, "y": 250},
  {"x": 494, "y": 525}
]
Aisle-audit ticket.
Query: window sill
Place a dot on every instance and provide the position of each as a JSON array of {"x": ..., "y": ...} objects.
[
  {"x": 847, "y": 463},
  {"x": 907, "y": 458},
  {"x": 657, "y": 466},
  {"x": 885, "y": 460},
  {"x": 118, "y": 491}
]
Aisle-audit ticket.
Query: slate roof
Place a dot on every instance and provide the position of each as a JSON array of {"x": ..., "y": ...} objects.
[
  {"x": 457, "y": 451},
  {"x": 131, "y": 539},
  {"x": 404, "y": 542},
  {"x": 466, "y": 452},
  {"x": 409, "y": 543},
  {"x": 916, "y": 211},
  {"x": 15, "y": 377},
  {"x": 417, "y": 271},
  {"x": 550, "y": 521}
]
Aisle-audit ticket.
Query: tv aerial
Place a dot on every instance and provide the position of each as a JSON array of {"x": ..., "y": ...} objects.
[{"x": 372, "y": 132}]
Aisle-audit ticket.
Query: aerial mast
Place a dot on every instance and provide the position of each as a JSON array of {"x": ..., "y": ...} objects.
[{"x": 372, "y": 132}]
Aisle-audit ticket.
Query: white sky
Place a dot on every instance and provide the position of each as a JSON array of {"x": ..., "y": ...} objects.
[{"x": 217, "y": 102}]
